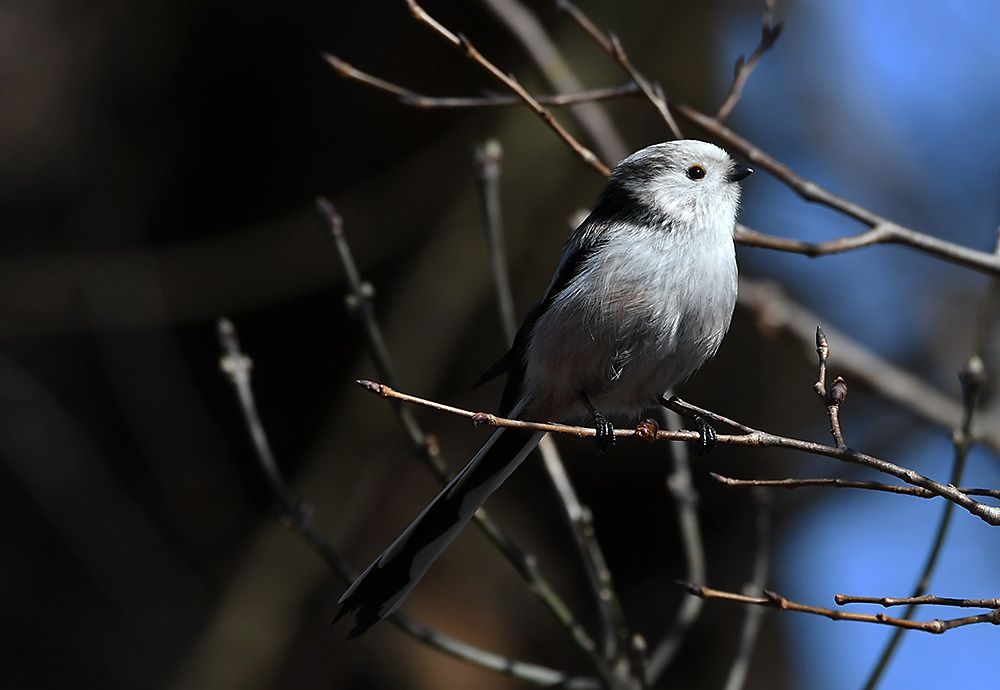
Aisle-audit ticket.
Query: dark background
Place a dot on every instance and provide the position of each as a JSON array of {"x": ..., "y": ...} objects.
[{"x": 160, "y": 162}]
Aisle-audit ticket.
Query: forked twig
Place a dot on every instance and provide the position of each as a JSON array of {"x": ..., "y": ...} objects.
[
  {"x": 652, "y": 92},
  {"x": 588, "y": 157},
  {"x": 741, "y": 72},
  {"x": 613, "y": 47}
]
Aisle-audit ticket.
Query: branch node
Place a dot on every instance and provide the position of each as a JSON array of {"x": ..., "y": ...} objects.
[
  {"x": 646, "y": 430},
  {"x": 484, "y": 419}
]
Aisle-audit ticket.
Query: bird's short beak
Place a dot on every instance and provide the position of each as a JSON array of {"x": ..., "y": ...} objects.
[{"x": 739, "y": 172}]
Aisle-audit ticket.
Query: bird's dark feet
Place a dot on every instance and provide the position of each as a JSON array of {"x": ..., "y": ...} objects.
[
  {"x": 604, "y": 435},
  {"x": 605, "y": 432},
  {"x": 708, "y": 434}
]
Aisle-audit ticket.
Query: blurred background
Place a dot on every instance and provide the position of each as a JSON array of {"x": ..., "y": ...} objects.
[{"x": 158, "y": 170}]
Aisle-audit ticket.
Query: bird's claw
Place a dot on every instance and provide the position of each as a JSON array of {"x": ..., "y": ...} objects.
[
  {"x": 604, "y": 435},
  {"x": 708, "y": 436}
]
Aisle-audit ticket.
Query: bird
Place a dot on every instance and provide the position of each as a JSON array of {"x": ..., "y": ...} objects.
[{"x": 642, "y": 297}]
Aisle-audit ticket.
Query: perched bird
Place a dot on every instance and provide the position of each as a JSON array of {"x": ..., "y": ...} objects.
[{"x": 642, "y": 297}]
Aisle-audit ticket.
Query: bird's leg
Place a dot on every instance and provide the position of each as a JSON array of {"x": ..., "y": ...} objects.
[
  {"x": 706, "y": 430},
  {"x": 605, "y": 431}
]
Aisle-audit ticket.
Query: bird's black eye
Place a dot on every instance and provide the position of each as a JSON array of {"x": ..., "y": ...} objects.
[{"x": 696, "y": 172}]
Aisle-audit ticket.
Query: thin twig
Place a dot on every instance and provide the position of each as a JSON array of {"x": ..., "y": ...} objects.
[
  {"x": 588, "y": 157},
  {"x": 360, "y": 304},
  {"x": 973, "y": 377},
  {"x": 613, "y": 47},
  {"x": 754, "y": 615},
  {"x": 297, "y": 516},
  {"x": 652, "y": 92},
  {"x": 837, "y": 483},
  {"x": 580, "y": 520},
  {"x": 362, "y": 295},
  {"x": 925, "y": 600},
  {"x": 486, "y": 163},
  {"x": 768, "y": 35},
  {"x": 594, "y": 120},
  {"x": 756, "y": 438},
  {"x": 585, "y": 23},
  {"x": 835, "y": 396},
  {"x": 776, "y": 601},
  {"x": 680, "y": 484}
]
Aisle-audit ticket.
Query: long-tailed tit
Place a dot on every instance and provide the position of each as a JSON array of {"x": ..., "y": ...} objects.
[{"x": 642, "y": 298}]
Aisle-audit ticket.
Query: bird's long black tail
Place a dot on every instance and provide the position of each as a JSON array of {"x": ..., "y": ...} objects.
[{"x": 382, "y": 588}]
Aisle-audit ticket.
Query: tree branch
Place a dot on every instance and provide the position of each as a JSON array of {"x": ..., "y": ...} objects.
[
  {"x": 769, "y": 34},
  {"x": 776, "y": 601},
  {"x": 754, "y": 438},
  {"x": 588, "y": 157},
  {"x": 837, "y": 483}
]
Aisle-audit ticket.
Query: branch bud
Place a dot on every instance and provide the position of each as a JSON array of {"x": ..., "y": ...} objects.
[
  {"x": 838, "y": 391},
  {"x": 821, "y": 341}
]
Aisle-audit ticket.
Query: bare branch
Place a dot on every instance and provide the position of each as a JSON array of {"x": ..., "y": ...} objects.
[
  {"x": 586, "y": 155},
  {"x": 883, "y": 231},
  {"x": 613, "y": 47},
  {"x": 776, "y": 601},
  {"x": 754, "y": 616},
  {"x": 360, "y": 304},
  {"x": 681, "y": 486},
  {"x": 653, "y": 93},
  {"x": 756, "y": 438},
  {"x": 492, "y": 420},
  {"x": 925, "y": 600},
  {"x": 526, "y": 28},
  {"x": 486, "y": 163},
  {"x": 769, "y": 34},
  {"x": 419, "y": 100},
  {"x": 836, "y": 483},
  {"x": 835, "y": 396}
]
